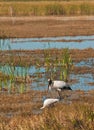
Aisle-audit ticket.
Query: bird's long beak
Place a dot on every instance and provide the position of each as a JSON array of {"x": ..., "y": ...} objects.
[{"x": 48, "y": 87}]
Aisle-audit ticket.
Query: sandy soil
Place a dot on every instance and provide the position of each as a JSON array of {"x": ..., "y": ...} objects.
[{"x": 46, "y": 26}]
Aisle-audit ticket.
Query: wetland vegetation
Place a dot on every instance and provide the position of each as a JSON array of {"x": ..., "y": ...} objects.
[
  {"x": 20, "y": 102},
  {"x": 24, "y": 72},
  {"x": 44, "y": 8}
]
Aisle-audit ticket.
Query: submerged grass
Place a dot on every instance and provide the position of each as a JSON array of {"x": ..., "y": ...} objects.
[
  {"x": 22, "y": 111},
  {"x": 13, "y": 75},
  {"x": 44, "y": 8}
]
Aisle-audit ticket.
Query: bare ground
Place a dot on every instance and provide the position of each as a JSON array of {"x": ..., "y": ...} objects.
[{"x": 41, "y": 26}]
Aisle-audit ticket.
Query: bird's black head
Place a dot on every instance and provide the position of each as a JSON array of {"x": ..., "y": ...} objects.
[{"x": 49, "y": 83}]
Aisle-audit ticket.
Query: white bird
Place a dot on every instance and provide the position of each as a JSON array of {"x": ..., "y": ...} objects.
[
  {"x": 49, "y": 101},
  {"x": 58, "y": 85}
]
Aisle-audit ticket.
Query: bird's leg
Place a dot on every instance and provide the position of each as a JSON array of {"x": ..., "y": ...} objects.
[{"x": 59, "y": 93}]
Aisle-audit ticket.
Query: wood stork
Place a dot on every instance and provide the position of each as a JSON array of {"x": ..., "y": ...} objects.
[
  {"x": 49, "y": 101},
  {"x": 58, "y": 85}
]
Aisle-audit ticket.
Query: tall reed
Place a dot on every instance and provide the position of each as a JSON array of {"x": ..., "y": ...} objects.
[
  {"x": 58, "y": 66},
  {"x": 67, "y": 64},
  {"x": 10, "y": 73}
]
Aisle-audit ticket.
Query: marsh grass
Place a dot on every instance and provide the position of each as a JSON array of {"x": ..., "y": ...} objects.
[
  {"x": 17, "y": 109},
  {"x": 13, "y": 76},
  {"x": 10, "y": 75},
  {"x": 67, "y": 63},
  {"x": 62, "y": 116},
  {"x": 56, "y": 66},
  {"x": 44, "y": 8}
]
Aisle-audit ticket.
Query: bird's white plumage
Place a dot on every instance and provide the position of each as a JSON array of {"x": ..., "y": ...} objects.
[
  {"x": 59, "y": 84},
  {"x": 49, "y": 101}
]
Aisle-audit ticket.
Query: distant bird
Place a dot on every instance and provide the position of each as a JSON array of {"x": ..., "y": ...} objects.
[
  {"x": 49, "y": 101},
  {"x": 58, "y": 85}
]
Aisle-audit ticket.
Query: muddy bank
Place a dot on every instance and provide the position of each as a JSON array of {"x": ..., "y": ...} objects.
[
  {"x": 30, "y": 56},
  {"x": 34, "y": 57},
  {"x": 24, "y": 104},
  {"x": 42, "y": 27}
]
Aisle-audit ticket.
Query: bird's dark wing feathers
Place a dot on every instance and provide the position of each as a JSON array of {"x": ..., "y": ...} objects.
[{"x": 66, "y": 88}]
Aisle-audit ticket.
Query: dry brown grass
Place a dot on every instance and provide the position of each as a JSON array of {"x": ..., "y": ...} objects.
[
  {"x": 78, "y": 114},
  {"x": 43, "y": 8},
  {"x": 30, "y": 56}
]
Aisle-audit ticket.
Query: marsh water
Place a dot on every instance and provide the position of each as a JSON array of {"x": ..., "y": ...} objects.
[{"x": 76, "y": 42}]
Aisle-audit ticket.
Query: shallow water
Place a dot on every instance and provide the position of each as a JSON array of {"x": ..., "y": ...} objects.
[
  {"x": 53, "y": 38},
  {"x": 38, "y": 43},
  {"x": 83, "y": 80},
  {"x": 41, "y": 83},
  {"x": 88, "y": 63},
  {"x": 81, "y": 84}
]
